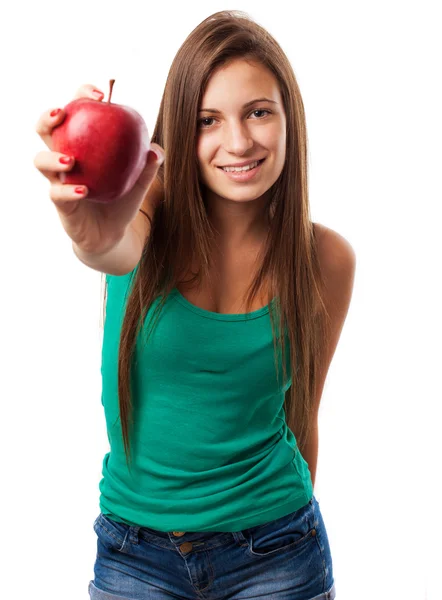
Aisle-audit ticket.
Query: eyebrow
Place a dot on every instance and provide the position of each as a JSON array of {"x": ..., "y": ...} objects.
[{"x": 218, "y": 112}]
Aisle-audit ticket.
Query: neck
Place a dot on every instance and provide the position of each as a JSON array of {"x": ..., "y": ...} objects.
[{"x": 238, "y": 224}]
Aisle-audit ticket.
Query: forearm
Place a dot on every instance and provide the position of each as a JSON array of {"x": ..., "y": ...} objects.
[
  {"x": 310, "y": 451},
  {"x": 121, "y": 259}
]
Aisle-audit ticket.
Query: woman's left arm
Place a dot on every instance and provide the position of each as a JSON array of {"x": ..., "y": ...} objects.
[{"x": 338, "y": 263}]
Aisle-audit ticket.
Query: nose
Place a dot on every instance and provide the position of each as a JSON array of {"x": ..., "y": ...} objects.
[{"x": 238, "y": 139}]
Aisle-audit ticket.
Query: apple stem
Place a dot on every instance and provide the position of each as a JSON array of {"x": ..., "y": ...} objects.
[{"x": 111, "y": 84}]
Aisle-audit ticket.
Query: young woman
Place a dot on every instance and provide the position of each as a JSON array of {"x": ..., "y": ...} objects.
[{"x": 211, "y": 413}]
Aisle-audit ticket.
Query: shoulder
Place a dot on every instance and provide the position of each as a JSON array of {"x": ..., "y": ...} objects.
[
  {"x": 337, "y": 260},
  {"x": 335, "y": 252}
]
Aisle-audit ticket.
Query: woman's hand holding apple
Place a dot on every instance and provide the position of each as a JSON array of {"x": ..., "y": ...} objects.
[{"x": 94, "y": 225}]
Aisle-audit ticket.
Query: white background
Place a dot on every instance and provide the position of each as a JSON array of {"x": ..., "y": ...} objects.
[{"x": 369, "y": 74}]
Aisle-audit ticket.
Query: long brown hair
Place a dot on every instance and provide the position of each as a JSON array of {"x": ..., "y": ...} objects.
[{"x": 181, "y": 232}]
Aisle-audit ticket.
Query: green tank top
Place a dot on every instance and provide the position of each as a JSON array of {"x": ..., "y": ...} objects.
[{"x": 211, "y": 450}]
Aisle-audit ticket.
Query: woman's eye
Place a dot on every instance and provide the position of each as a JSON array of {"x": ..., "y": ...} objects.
[
  {"x": 201, "y": 121},
  {"x": 204, "y": 125},
  {"x": 260, "y": 110}
]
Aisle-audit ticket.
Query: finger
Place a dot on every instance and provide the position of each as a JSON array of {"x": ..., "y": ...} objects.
[
  {"x": 50, "y": 164},
  {"x": 60, "y": 193},
  {"x": 53, "y": 117},
  {"x": 87, "y": 90},
  {"x": 46, "y": 123}
]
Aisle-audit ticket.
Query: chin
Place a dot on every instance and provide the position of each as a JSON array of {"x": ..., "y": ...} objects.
[{"x": 240, "y": 196}]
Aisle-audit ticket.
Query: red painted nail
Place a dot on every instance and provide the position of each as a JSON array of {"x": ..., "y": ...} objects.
[
  {"x": 55, "y": 112},
  {"x": 152, "y": 156},
  {"x": 79, "y": 190},
  {"x": 65, "y": 160}
]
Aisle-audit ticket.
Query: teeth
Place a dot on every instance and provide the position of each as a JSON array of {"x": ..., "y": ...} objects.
[{"x": 239, "y": 169}]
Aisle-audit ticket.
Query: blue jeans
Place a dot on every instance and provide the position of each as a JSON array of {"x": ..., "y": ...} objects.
[{"x": 285, "y": 559}]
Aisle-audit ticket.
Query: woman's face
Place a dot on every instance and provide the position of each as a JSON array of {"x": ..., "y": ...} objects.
[{"x": 239, "y": 133}]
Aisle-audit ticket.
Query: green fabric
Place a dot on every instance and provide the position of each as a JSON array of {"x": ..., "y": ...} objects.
[{"x": 210, "y": 444}]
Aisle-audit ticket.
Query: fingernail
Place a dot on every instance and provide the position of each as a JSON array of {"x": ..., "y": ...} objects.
[
  {"x": 158, "y": 157},
  {"x": 97, "y": 94},
  {"x": 65, "y": 160},
  {"x": 55, "y": 112}
]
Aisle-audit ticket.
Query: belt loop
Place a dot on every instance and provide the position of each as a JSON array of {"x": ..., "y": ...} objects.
[
  {"x": 134, "y": 534},
  {"x": 239, "y": 537}
]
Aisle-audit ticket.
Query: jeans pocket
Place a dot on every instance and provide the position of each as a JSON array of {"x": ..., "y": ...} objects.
[
  {"x": 281, "y": 534},
  {"x": 111, "y": 534}
]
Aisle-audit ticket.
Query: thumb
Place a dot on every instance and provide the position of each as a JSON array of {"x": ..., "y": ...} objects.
[
  {"x": 156, "y": 155},
  {"x": 154, "y": 160}
]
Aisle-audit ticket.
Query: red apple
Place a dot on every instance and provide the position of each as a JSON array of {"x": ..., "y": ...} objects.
[{"x": 109, "y": 142}]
